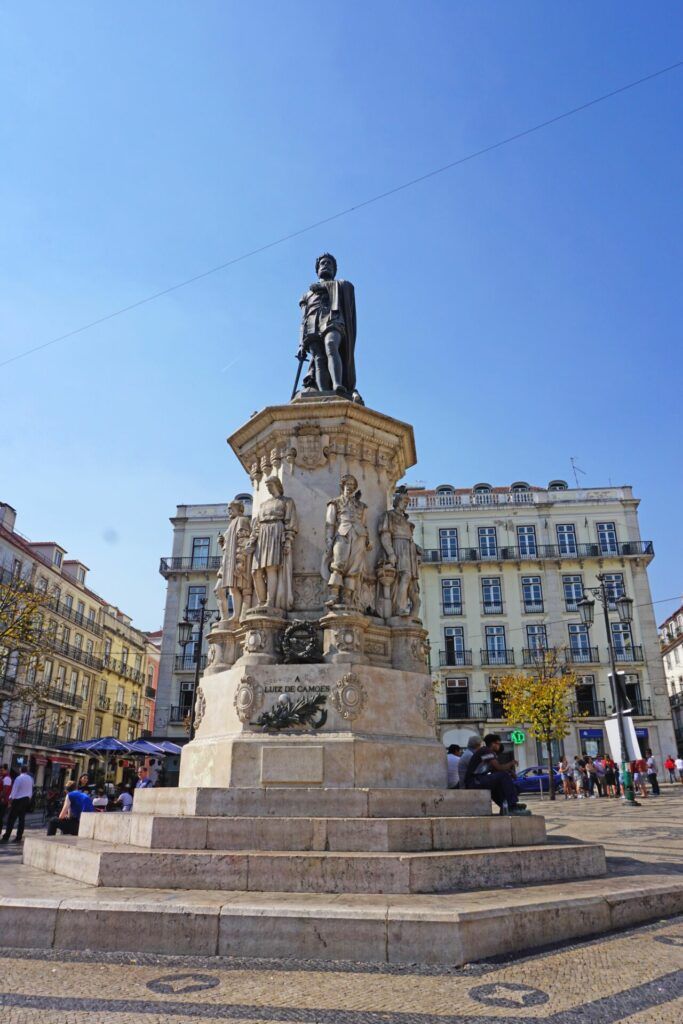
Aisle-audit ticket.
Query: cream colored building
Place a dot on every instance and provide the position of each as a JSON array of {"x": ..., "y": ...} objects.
[
  {"x": 503, "y": 569},
  {"x": 671, "y": 640}
]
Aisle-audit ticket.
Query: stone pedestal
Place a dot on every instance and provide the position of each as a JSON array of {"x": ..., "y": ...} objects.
[
  {"x": 224, "y": 642},
  {"x": 261, "y": 637},
  {"x": 344, "y": 637}
]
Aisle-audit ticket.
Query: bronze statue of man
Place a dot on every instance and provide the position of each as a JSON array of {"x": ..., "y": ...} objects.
[{"x": 328, "y": 332}]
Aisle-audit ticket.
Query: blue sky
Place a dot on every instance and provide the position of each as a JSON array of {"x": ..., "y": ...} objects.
[{"x": 519, "y": 310}]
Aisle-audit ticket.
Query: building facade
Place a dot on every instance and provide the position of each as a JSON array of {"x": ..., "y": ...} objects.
[
  {"x": 503, "y": 569},
  {"x": 671, "y": 640},
  {"x": 90, "y": 673}
]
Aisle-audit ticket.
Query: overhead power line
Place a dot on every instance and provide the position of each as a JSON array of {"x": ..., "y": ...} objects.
[{"x": 343, "y": 213}]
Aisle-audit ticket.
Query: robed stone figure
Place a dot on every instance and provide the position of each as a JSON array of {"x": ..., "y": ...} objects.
[
  {"x": 402, "y": 557},
  {"x": 234, "y": 574},
  {"x": 273, "y": 529},
  {"x": 346, "y": 542},
  {"x": 328, "y": 332}
]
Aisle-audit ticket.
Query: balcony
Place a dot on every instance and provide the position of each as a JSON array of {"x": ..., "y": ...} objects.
[
  {"x": 589, "y": 709},
  {"x": 67, "y": 612},
  {"x": 186, "y": 663},
  {"x": 622, "y": 654},
  {"x": 534, "y": 655},
  {"x": 452, "y": 609},
  {"x": 122, "y": 668},
  {"x": 120, "y": 709},
  {"x": 206, "y": 563},
  {"x": 150, "y": 693},
  {"x": 492, "y": 607},
  {"x": 621, "y": 549},
  {"x": 39, "y": 738},
  {"x": 676, "y": 700},
  {"x": 71, "y": 652},
  {"x": 642, "y": 707},
  {"x": 463, "y": 712},
  {"x": 103, "y": 703},
  {"x": 502, "y": 657},
  {"x": 179, "y": 714},
  {"x": 8, "y": 683},
  {"x": 533, "y": 607},
  {"x": 135, "y": 714},
  {"x": 57, "y": 695},
  {"x": 582, "y": 655},
  {"x": 455, "y": 658}
]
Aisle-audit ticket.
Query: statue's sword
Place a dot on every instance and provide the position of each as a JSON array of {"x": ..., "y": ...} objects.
[{"x": 301, "y": 356}]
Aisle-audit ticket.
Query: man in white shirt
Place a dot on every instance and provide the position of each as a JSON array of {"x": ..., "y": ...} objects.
[
  {"x": 452, "y": 760},
  {"x": 20, "y": 799}
]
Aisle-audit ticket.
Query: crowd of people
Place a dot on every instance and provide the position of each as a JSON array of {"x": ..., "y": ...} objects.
[
  {"x": 80, "y": 797},
  {"x": 481, "y": 766}
]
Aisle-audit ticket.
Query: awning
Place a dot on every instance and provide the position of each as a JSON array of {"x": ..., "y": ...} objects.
[{"x": 67, "y": 762}]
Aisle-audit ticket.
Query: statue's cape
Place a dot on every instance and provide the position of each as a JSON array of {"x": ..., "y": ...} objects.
[{"x": 347, "y": 307}]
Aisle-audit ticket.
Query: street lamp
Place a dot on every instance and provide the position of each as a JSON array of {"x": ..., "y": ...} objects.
[
  {"x": 624, "y": 607},
  {"x": 185, "y": 637}
]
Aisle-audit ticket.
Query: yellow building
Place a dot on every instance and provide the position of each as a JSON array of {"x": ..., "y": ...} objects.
[{"x": 91, "y": 673}]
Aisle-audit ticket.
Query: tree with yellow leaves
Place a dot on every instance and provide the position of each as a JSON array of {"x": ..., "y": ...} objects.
[
  {"x": 540, "y": 700},
  {"x": 22, "y": 640}
]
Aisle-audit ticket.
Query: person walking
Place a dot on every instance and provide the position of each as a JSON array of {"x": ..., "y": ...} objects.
[
  {"x": 76, "y": 802},
  {"x": 639, "y": 770},
  {"x": 5, "y": 790},
  {"x": 679, "y": 768},
  {"x": 670, "y": 766},
  {"x": 593, "y": 779},
  {"x": 652, "y": 772},
  {"x": 20, "y": 801},
  {"x": 580, "y": 777}
]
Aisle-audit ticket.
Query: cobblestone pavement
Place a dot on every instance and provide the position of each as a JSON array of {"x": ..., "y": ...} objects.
[
  {"x": 635, "y": 977},
  {"x": 632, "y": 977}
]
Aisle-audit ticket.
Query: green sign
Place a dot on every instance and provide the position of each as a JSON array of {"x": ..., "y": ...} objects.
[{"x": 517, "y": 736}]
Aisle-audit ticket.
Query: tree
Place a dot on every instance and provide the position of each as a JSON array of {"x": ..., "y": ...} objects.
[
  {"x": 23, "y": 641},
  {"x": 540, "y": 700}
]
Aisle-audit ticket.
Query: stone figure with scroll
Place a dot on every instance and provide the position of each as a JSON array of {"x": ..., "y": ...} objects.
[
  {"x": 234, "y": 574},
  {"x": 273, "y": 529},
  {"x": 346, "y": 543},
  {"x": 402, "y": 556},
  {"x": 328, "y": 332}
]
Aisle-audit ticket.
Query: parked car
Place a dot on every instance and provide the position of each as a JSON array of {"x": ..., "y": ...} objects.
[{"x": 533, "y": 780}]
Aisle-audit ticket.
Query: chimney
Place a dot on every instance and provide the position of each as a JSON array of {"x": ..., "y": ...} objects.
[{"x": 8, "y": 516}]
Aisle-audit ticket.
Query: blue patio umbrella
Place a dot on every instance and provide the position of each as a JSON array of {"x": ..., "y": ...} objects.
[
  {"x": 145, "y": 747},
  {"x": 106, "y": 745},
  {"x": 168, "y": 747}
]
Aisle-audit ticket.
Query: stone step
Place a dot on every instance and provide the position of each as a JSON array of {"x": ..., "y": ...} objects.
[
  {"x": 323, "y": 872},
  {"x": 44, "y": 911},
  {"x": 302, "y": 802},
  {"x": 360, "y": 835}
]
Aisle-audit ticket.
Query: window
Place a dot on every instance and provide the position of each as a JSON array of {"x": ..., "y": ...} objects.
[
  {"x": 66, "y": 635},
  {"x": 457, "y": 697},
  {"x": 200, "y": 552},
  {"x": 532, "y": 593},
  {"x": 492, "y": 595},
  {"x": 145, "y": 719},
  {"x": 16, "y": 567},
  {"x": 67, "y": 727},
  {"x": 579, "y": 640},
  {"x": 138, "y": 662},
  {"x": 103, "y": 688},
  {"x": 488, "y": 543},
  {"x": 68, "y": 602},
  {"x": 98, "y": 728},
  {"x": 116, "y": 729},
  {"x": 120, "y": 693},
  {"x": 107, "y": 648},
  {"x": 52, "y": 629},
  {"x": 607, "y": 538},
  {"x": 573, "y": 591},
  {"x": 47, "y": 670},
  {"x": 73, "y": 681},
  {"x": 78, "y": 642},
  {"x": 566, "y": 538},
  {"x": 536, "y": 638},
  {"x": 80, "y": 728},
  {"x": 495, "y": 645},
  {"x": 526, "y": 541},
  {"x": 621, "y": 637},
  {"x": 451, "y": 596},
  {"x": 91, "y": 616},
  {"x": 85, "y": 687},
  {"x": 448, "y": 545},
  {"x": 61, "y": 676},
  {"x": 150, "y": 677},
  {"x": 89, "y": 647},
  {"x": 195, "y": 595},
  {"x": 454, "y": 639},
  {"x": 614, "y": 585},
  {"x": 31, "y": 671},
  {"x": 81, "y": 575},
  {"x": 80, "y": 611},
  {"x": 42, "y": 585},
  {"x": 131, "y": 733},
  {"x": 482, "y": 494},
  {"x": 124, "y": 656},
  {"x": 57, "y": 558}
]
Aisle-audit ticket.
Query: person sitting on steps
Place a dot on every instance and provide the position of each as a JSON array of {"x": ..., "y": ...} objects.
[{"x": 485, "y": 772}]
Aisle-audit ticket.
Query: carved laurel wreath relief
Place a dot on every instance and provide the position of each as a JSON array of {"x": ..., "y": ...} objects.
[
  {"x": 248, "y": 698},
  {"x": 426, "y": 704},
  {"x": 199, "y": 707},
  {"x": 349, "y": 696}
]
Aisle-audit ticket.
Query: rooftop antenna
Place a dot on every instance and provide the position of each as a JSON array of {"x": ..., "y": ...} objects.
[{"x": 576, "y": 470}]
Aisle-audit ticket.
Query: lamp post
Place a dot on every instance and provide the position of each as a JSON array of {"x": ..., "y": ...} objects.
[
  {"x": 185, "y": 631},
  {"x": 624, "y": 606}
]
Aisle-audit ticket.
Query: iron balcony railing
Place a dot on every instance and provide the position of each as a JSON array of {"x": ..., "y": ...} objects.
[
  {"x": 8, "y": 683},
  {"x": 60, "y": 696},
  {"x": 501, "y": 657},
  {"x": 634, "y": 653},
  {"x": 200, "y": 563},
  {"x": 135, "y": 714},
  {"x": 493, "y": 607},
  {"x": 455, "y": 658},
  {"x": 120, "y": 708},
  {"x": 186, "y": 663},
  {"x": 78, "y": 618},
  {"x": 71, "y": 652},
  {"x": 533, "y": 607},
  {"x": 642, "y": 707},
  {"x": 620, "y": 549},
  {"x": 452, "y": 609},
  {"x": 179, "y": 714},
  {"x": 676, "y": 700},
  {"x": 582, "y": 655},
  {"x": 464, "y": 712},
  {"x": 103, "y": 703},
  {"x": 39, "y": 738},
  {"x": 589, "y": 709},
  {"x": 534, "y": 655},
  {"x": 122, "y": 668}
]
